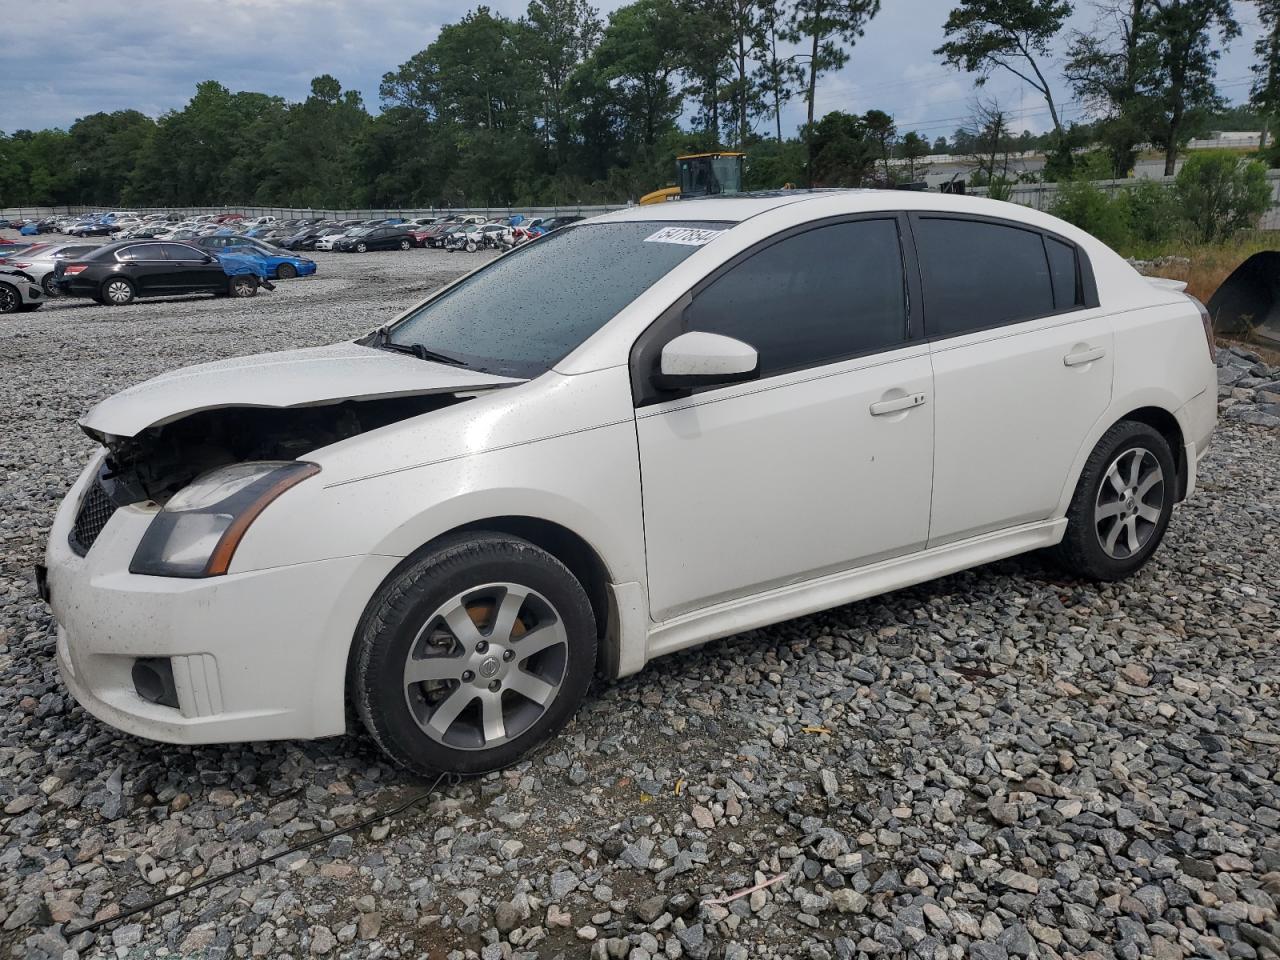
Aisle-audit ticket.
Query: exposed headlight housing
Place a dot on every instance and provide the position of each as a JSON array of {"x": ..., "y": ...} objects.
[{"x": 196, "y": 533}]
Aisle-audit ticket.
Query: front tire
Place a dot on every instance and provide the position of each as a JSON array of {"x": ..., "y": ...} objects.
[
  {"x": 473, "y": 655},
  {"x": 286, "y": 271},
  {"x": 362, "y": 248},
  {"x": 405, "y": 244},
  {"x": 244, "y": 286},
  {"x": 10, "y": 299},
  {"x": 1122, "y": 504}
]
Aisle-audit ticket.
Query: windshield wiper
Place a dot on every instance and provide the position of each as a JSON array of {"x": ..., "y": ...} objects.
[{"x": 381, "y": 340}]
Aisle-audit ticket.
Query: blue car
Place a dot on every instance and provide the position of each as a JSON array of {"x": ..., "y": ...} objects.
[{"x": 280, "y": 264}]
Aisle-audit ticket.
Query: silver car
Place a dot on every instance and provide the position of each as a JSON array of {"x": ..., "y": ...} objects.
[
  {"x": 18, "y": 291},
  {"x": 39, "y": 263}
]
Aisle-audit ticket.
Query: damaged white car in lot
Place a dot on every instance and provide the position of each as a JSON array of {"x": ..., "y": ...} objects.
[{"x": 665, "y": 425}]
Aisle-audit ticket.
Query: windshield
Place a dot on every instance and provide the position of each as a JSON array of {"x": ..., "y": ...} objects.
[{"x": 529, "y": 308}]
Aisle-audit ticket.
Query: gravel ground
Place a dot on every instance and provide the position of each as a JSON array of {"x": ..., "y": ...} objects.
[{"x": 1003, "y": 763}]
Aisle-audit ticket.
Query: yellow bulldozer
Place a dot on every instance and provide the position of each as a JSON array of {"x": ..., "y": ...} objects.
[{"x": 702, "y": 175}]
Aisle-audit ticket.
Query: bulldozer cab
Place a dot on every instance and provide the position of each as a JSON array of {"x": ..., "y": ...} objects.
[
  {"x": 709, "y": 174},
  {"x": 702, "y": 175}
]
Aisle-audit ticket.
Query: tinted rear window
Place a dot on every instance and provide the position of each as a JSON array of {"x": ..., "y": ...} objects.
[
  {"x": 979, "y": 275},
  {"x": 531, "y": 307}
]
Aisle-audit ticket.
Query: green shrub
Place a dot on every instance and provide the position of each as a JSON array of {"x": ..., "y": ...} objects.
[
  {"x": 1220, "y": 193},
  {"x": 1081, "y": 203},
  {"x": 1152, "y": 212},
  {"x": 1000, "y": 188}
]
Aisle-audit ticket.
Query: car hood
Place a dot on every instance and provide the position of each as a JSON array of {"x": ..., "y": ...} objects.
[{"x": 314, "y": 376}]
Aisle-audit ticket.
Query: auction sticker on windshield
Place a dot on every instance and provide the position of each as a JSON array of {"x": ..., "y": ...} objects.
[{"x": 688, "y": 236}]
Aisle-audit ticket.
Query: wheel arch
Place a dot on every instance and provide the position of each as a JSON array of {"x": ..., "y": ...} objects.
[
  {"x": 1166, "y": 424},
  {"x": 567, "y": 546},
  {"x": 1156, "y": 411}
]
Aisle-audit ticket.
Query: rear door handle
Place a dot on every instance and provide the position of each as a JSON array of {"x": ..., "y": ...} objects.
[
  {"x": 882, "y": 407},
  {"x": 1084, "y": 356}
]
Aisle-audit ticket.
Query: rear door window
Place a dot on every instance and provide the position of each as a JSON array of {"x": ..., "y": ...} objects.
[
  {"x": 1065, "y": 274},
  {"x": 181, "y": 253},
  {"x": 978, "y": 274}
]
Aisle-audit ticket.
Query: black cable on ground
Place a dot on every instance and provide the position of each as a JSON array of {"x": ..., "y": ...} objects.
[{"x": 262, "y": 861}]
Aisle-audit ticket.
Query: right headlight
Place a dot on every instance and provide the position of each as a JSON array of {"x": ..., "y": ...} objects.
[{"x": 196, "y": 533}]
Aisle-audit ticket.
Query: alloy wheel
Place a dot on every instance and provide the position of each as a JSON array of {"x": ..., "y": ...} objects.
[
  {"x": 8, "y": 298},
  {"x": 485, "y": 666},
  {"x": 1130, "y": 503},
  {"x": 118, "y": 291}
]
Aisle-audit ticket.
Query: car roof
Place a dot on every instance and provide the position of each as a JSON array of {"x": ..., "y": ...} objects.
[
  {"x": 740, "y": 207},
  {"x": 732, "y": 209}
]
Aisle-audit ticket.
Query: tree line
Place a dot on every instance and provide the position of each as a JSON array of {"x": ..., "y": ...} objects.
[{"x": 562, "y": 106}]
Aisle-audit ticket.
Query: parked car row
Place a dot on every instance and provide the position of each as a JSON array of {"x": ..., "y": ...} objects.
[
  {"x": 118, "y": 272},
  {"x": 452, "y": 232}
]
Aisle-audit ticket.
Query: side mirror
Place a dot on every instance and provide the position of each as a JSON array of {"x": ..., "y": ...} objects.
[{"x": 699, "y": 359}]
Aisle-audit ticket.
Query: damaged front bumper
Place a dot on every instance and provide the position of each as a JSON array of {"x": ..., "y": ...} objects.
[{"x": 257, "y": 655}]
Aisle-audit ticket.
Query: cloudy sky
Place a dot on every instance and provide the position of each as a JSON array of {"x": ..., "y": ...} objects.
[{"x": 81, "y": 56}]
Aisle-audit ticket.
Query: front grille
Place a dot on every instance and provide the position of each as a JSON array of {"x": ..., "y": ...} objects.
[{"x": 95, "y": 510}]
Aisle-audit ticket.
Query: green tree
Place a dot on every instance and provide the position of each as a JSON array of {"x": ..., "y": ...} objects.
[
  {"x": 913, "y": 148},
  {"x": 705, "y": 42},
  {"x": 108, "y": 146},
  {"x": 1178, "y": 91},
  {"x": 748, "y": 46},
  {"x": 1221, "y": 193},
  {"x": 777, "y": 77},
  {"x": 827, "y": 28},
  {"x": 1105, "y": 68},
  {"x": 561, "y": 35},
  {"x": 638, "y": 58},
  {"x": 844, "y": 152},
  {"x": 310, "y": 161},
  {"x": 1265, "y": 94},
  {"x": 1012, "y": 35},
  {"x": 884, "y": 133}
]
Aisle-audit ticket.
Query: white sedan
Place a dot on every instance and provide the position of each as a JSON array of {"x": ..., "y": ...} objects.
[{"x": 665, "y": 425}]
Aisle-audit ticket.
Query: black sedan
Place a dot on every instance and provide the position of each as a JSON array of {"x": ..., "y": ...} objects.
[
  {"x": 385, "y": 237},
  {"x": 305, "y": 239},
  {"x": 117, "y": 273}
]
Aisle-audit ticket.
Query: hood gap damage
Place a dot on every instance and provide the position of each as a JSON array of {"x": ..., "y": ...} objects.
[{"x": 159, "y": 461}]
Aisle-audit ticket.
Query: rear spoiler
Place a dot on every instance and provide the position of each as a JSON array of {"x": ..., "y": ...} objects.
[{"x": 1161, "y": 283}]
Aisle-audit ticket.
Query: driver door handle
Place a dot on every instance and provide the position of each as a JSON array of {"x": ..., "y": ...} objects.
[
  {"x": 882, "y": 407},
  {"x": 1084, "y": 356}
]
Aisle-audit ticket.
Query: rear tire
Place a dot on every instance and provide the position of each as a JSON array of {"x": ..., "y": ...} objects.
[
  {"x": 473, "y": 655},
  {"x": 117, "y": 292},
  {"x": 1122, "y": 504},
  {"x": 286, "y": 271},
  {"x": 50, "y": 288}
]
